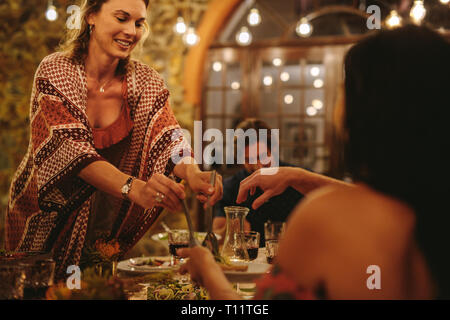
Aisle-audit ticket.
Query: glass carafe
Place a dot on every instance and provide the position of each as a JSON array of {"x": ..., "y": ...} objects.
[{"x": 234, "y": 247}]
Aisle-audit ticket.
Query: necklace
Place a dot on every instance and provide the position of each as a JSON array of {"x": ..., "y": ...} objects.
[{"x": 102, "y": 88}]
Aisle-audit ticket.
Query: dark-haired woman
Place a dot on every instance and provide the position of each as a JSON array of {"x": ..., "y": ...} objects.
[
  {"x": 387, "y": 236},
  {"x": 103, "y": 142}
]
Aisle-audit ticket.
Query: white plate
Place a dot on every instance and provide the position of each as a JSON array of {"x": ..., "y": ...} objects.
[
  {"x": 163, "y": 237},
  {"x": 131, "y": 267},
  {"x": 254, "y": 271}
]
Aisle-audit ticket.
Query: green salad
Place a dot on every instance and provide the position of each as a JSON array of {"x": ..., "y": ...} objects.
[{"x": 168, "y": 289}]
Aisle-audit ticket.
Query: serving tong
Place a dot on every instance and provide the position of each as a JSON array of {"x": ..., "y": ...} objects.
[{"x": 210, "y": 240}]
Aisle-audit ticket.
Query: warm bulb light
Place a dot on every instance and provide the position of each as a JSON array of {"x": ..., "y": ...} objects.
[
  {"x": 315, "y": 71},
  {"x": 244, "y": 37},
  {"x": 51, "y": 14},
  {"x": 217, "y": 66},
  {"x": 288, "y": 99},
  {"x": 284, "y": 76},
  {"x": 235, "y": 85},
  {"x": 267, "y": 80},
  {"x": 190, "y": 37},
  {"x": 393, "y": 20},
  {"x": 311, "y": 111},
  {"x": 444, "y": 1},
  {"x": 180, "y": 26},
  {"x": 318, "y": 104},
  {"x": 277, "y": 62},
  {"x": 304, "y": 28},
  {"x": 418, "y": 11},
  {"x": 318, "y": 83},
  {"x": 254, "y": 18}
]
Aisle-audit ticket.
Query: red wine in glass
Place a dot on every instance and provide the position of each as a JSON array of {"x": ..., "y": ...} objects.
[{"x": 252, "y": 253}]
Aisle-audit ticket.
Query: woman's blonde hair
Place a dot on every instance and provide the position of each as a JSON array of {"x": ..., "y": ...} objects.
[{"x": 76, "y": 41}]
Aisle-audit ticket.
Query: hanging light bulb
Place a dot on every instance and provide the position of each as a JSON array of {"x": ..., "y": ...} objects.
[
  {"x": 277, "y": 62},
  {"x": 191, "y": 38},
  {"x": 284, "y": 76},
  {"x": 267, "y": 80},
  {"x": 217, "y": 66},
  {"x": 304, "y": 28},
  {"x": 315, "y": 71},
  {"x": 393, "y": 20},
  {"x": 244, "y": 37},
  {"x": 235, "y": 85},
  {"x": 51, "y": 14},
  {"x": 444, "y": 1},
  {"x": 254, "y": 18},
  {"x": 180, "y": 26},
  {"x": 318, "y": 104},
  {"x": 418, "y": 11},
  {"x": 311, "y": 111}
]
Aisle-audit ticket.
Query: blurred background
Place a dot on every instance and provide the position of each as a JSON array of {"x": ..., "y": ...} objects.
[{"x": 223, "y": 61}]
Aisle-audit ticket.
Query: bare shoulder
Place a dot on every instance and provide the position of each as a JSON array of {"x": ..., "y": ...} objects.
[
  {"x": 337, "y": 231},
  {"x": 353, "y": 208}
]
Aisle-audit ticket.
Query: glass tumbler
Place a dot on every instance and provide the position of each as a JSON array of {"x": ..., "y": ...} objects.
[{"x": 12, "y": 280}]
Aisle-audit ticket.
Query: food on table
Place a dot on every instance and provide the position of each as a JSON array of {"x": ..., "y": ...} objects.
[
  {"x": 168, "y": 289},
  {"x": 226, "y": 265}
]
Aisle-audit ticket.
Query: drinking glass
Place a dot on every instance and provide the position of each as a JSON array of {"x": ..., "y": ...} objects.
[
  {"x": 273, "y": 230},
  {"x": 271, "y": 250},
  {"x": 12, "y": 279},
  {"x": 178, "y": 238},
  {"x": 252, "y": 243},
  {"x": 39, "y": 276}
]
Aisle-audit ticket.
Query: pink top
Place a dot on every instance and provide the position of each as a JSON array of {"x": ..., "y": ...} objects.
[{"x": 119, "y": 129}]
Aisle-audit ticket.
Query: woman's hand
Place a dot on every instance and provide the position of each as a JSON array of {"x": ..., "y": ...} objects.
[
  {"x": 199, "y": 183},
  {"x": 271, "y": 182},
  {"x": 146, "y": 194}
]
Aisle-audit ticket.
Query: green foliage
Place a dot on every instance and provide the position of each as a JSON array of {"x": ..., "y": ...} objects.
[{"x": 25, "y": 38}]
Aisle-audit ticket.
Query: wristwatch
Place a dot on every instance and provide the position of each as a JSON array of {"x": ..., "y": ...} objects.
[{"x": 126, "y": 188}]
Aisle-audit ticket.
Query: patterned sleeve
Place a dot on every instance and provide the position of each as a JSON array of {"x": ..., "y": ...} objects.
[{"x": 61, "y": 143}]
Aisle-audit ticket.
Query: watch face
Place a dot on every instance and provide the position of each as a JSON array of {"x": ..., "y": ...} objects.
[{"x": 125, "y": 189}]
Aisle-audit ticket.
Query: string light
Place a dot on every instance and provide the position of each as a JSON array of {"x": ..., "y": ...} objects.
[
  {"x": 277, "y": 62},
  {"x": 235, "y": 85},
  {"x": 318, "y": 83},
  {"x": 393, "y": 20},
  {"x": 191, "y": 38},
  {"x": 284, "y": 76},
  {"x": 51, "y": 14},
  {"x": 304, "y": 28},
  {"x": 315, "y": 71},
  {"x": 254, "y": 18},
  {"x": 217, "y": 66},
  {"x": 418, "y": 11},
  {"x": 288, "y": 99},
  {"x": 318, "y": 104},
  {"x": 180, "y": 26},
  {"x": 267, "y": 80},
  {"x": 244, "y": 37},
  {"x": 311, "y": 111}
]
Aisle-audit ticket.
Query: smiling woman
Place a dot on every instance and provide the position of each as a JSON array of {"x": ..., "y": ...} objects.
[{"x": 101, "y": 143}]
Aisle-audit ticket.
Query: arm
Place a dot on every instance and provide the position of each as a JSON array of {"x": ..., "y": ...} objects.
[
  {"x": 198, "y": 180},
  {"x": 106, "y": 177},
  {"x": 274, "y": 182},
  {"x": 204, "y": 270}
]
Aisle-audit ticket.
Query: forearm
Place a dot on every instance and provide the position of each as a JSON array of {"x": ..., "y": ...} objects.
[
  {"x": 305, "y": 181},
  {"x": 186, "y": 167},
  {"x": 106, "y": 177},
  {"x": 219, "y": 288}
]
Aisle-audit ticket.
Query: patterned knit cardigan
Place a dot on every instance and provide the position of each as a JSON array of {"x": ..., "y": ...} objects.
[{"x": 49, "y": 204}]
